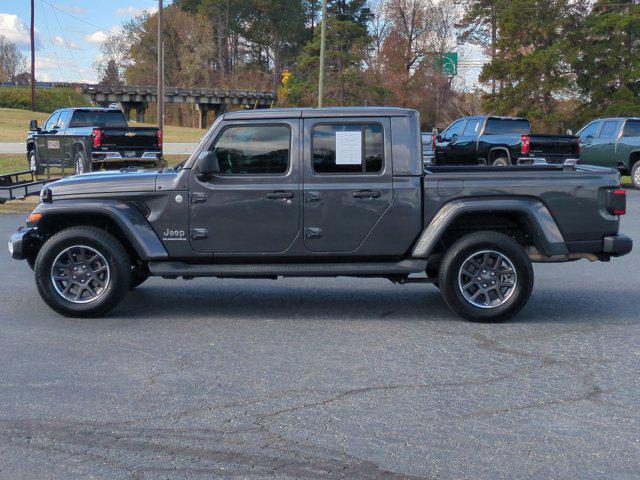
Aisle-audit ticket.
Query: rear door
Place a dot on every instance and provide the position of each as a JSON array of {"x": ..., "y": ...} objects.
[
  {"x": 347, "y": 181},
  {"x": 252, "y": 205}
]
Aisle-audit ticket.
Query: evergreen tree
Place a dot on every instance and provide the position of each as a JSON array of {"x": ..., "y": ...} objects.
[
  {"x": 606, "y": 60},
  {"x": 532, "y": 67}
]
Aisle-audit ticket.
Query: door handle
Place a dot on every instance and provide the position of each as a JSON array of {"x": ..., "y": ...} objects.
[
  {"x": 366, "y": 194},
  {"x": 279, "y": 195}
]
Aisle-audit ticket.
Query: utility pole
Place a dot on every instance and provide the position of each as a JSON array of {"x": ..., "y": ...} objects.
[
  {"x": 160, "y": 94},
  {"x": 33, "y": 60},
  {"x": 323, "y": 34}
]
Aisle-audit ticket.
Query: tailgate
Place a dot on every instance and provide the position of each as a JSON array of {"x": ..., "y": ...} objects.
[
  {"x": 133, "y": 138},
  {"x": 554, "y": 144}
]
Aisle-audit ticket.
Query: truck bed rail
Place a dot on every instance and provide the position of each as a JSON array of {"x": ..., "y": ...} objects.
[{"x": 19, "y": 185}]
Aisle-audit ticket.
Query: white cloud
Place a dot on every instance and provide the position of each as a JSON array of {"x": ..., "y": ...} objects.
[
  {"x": 70, "y": 8},
  {"x": 58, "y": 40},
  {"x": 96, "y": 37},
  {"x": 17, "y": 32},
  {"x": 135, "y": 11}
]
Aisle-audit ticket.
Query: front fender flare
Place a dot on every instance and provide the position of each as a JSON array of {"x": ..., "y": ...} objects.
[
  {"x": 129, "y": 219},
  {"x": 547, "y": 236}
]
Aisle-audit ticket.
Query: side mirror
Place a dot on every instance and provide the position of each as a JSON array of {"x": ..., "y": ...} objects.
[
  {"x": 439, "y": 137},
  {"x": 208, "y": 163},
  {"x": 33, "y": 125}
]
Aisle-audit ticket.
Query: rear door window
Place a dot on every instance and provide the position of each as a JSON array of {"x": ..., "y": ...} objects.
[
  {"x": 631, "y": 129},
  {"x": 609, "y": 129},
  {"x": 501, "y": 126},
  {"x": 347, "y": 148}
]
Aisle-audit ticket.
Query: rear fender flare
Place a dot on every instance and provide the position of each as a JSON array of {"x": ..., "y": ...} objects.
[
  {"x": 495, "y": 150},
  {"x": 547, "y": 236},
  {"x": 128, "y": 218}
]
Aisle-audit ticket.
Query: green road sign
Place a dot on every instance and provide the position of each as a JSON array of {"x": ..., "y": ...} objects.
[{"x": 448, "y": 64}]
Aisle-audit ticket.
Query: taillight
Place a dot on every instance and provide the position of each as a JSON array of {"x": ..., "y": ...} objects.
[
  {"x": 578, "y": 150},
  {"x": 618, "y": 202},
  {"x": 159, "y": 138},
  {"x": 525, "y": 144},
  {"x": 97, "y": 137}
]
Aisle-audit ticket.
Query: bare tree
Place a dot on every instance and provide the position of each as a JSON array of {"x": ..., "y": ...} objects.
[{"x": 12, "y": 61}]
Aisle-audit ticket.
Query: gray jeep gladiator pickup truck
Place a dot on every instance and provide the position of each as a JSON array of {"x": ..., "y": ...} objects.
[{"x": 326, "y": 193}]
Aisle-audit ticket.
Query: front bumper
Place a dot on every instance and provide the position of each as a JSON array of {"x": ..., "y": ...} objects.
[
  {"x": 20, "y": 242},
  {"x": 617, "y": 245}
]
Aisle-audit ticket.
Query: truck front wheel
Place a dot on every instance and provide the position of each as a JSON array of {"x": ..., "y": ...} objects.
[
  {"x": 82, "y": 272},
  {"x": 486, "y": 277}
]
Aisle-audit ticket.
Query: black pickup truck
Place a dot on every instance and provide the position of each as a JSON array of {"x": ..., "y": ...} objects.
[
  {"x": 500, "y": 141},
  {"x": 87, "y": 139},
  {"x": 320, "y": 192}
]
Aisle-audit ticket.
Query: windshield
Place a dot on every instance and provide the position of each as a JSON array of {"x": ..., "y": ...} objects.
[{"x": 98, "y": 118}]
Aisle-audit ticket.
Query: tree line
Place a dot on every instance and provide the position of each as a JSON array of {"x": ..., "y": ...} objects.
[{"x": 557, "y": 62}]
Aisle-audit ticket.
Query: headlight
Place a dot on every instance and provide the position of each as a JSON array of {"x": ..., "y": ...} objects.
[{"x": 10, "y": 246}]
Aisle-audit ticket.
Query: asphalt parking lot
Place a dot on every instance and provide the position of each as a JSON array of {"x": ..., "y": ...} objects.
[{"x": 312, "y": 378}]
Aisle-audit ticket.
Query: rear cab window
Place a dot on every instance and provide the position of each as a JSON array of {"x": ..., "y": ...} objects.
[
  {"x": 347, "y": 148},
  {"x": 504, "y": 126},
  {"x": 472, "y": 127},
  {"x": 98, "y": 119}
]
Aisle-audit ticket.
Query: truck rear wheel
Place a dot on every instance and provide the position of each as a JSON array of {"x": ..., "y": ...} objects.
[
  {"x": 486, "y": 277},
  {"x": 635, "y": 174},
  {"x": 82, "y": 272},
  {"x": 501, "y": 162}
]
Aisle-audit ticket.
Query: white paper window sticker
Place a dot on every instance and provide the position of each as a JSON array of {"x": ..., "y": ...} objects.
[{"x": 349, "y": 148}]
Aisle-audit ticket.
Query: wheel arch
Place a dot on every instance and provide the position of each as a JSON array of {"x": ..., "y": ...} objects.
[
  {"x": 494, "y": 153},
  {"x": 122, "y": 219},
  {"x": 634, "y": 157},
  {"x": 525, "y": 216}
]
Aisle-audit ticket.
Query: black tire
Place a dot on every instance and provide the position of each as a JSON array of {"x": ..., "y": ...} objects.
[
  {"x": 635, "y": 175},
  {"x": 501, "y": 162},
  {"x": 34, "y": 163},
  {"x": 451, "y": 277},
  {"x": 81, "y": 163},
  {"x": 96, "y": 239}
]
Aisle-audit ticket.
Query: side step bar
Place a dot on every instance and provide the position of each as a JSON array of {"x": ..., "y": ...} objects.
[{"x": 180, "y": 269}]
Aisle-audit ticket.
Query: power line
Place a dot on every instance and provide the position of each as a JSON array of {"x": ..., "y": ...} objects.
[{"x": 64, "y": 39}]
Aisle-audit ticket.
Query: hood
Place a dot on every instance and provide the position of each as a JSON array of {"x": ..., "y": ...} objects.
[{"x": 104, "y": 182}]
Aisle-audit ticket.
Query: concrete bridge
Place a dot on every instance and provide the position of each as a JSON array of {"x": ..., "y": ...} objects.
[{"x": 206, "y": 99}]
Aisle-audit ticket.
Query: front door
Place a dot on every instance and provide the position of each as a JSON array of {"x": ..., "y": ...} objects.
[
  {"x": 602, "y": 149},
  {"x": 347, "y": 181},
  {"x": 587, "y": 136},
  {"x": 252, "y": 205},
  {"x": 47, "y": 142}
]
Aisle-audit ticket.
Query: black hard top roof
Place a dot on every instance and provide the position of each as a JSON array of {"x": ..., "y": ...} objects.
[{"x": 321, "y": 112}]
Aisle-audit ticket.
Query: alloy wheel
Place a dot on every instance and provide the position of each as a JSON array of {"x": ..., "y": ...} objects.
[
  {"x": 80, "y": 274},
  {"x": 487, "y": 279}
]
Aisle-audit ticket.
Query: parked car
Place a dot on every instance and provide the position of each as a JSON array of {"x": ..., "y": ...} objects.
[
  {"x": 614, "y": 143},
  {"x": 86, "y": 139},
  {"x": 500, "y": 141},
  {"x": 325, "y": 193},
  {"x": 428, "y": 143}
]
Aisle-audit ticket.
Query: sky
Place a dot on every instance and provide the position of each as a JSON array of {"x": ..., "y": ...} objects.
[{"x": 69, "y": 34}]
